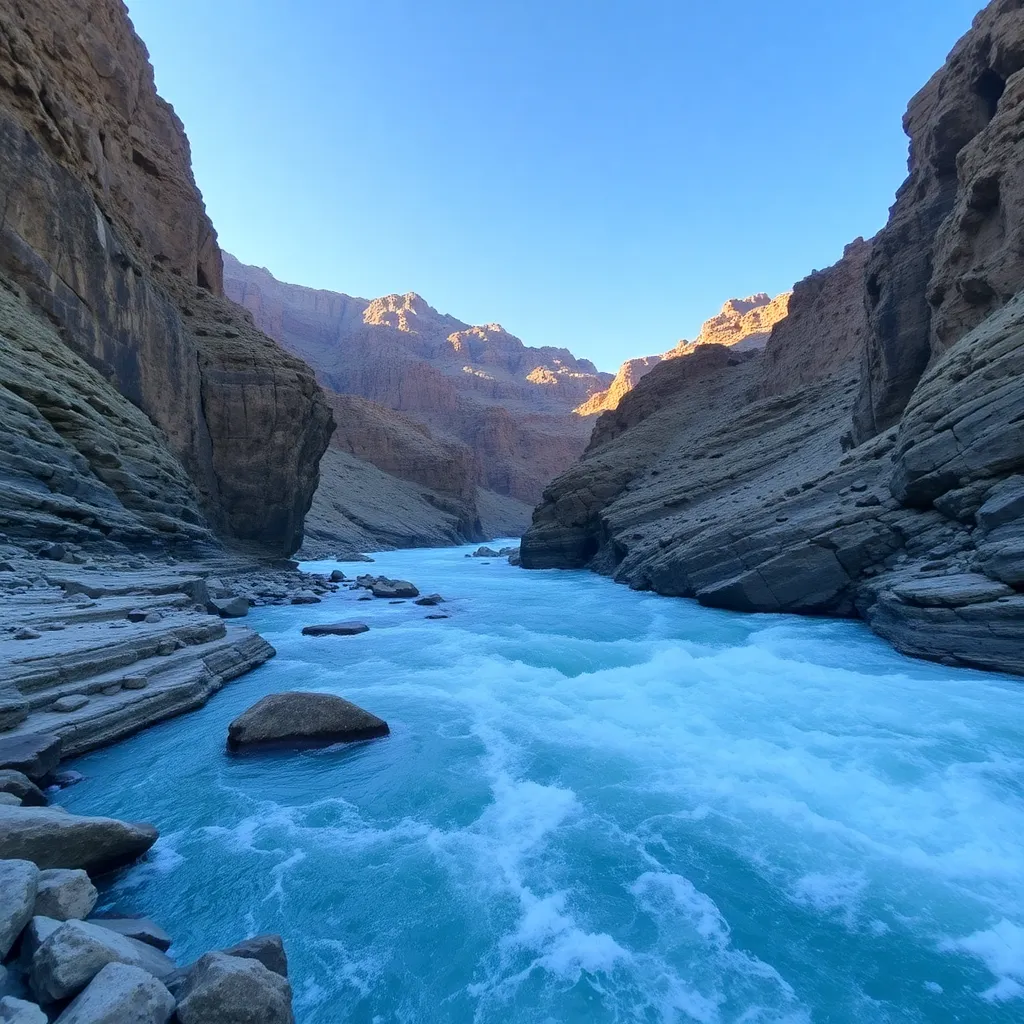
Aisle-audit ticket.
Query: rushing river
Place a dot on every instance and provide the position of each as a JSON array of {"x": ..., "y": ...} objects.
[{"x": 594, "y": 806}]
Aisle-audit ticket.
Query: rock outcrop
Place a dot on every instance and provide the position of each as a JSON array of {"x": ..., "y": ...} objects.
[
  {"x": 762, "y": 482},
  {"x": 507, "y": 406},
  {"x": 170, "y": 413},
  {"x": 741, "y": 324}
]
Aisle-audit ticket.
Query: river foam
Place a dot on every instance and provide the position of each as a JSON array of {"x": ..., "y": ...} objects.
[{"x": 597, "y": 805}]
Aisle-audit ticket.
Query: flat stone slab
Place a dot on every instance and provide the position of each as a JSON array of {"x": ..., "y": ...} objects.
[
  {"x": 351, "y": 628},
  {"x": 32, "y": 754},
  {"x": 951, "y": 591}
]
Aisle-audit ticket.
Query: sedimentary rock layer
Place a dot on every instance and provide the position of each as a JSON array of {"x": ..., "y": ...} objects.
[{"x": 105, "y": 234}]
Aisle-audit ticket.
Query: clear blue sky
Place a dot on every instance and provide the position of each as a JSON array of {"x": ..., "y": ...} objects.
[{"x": 595, "y": 173}]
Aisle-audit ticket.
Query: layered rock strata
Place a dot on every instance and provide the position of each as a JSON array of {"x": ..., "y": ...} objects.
[
  {"x": 871, "y": 461},
  {"x": 104, "y": 233}
]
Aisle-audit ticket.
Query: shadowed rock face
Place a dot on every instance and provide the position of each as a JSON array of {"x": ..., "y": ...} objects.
[
  {"x": 739, "y": 481},
  {"x": 950, "y": 254},
  {"x": 105, "y": 233},
  {"x": 508, "y": 406}
]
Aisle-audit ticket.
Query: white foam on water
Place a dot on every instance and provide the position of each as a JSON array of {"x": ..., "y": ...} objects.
[{"x": 1001, "y": 949}]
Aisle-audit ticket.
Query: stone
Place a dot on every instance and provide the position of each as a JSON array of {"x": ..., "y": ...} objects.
[
  {"x": 228, "y": 607},
  {"x": 38, "y": 930},
  {"x": 139, "y": 928},
  {"x": 951, "y": 590},
  {"x": 25, "y": 633},
  {"x": 302, "y": 719},
  {"x": 73, "y": 953},
  {"x": 268, "y": 949},
  {"x": 337, "y": 576},
  {"x": 349, "y": 628},
  {"x": 393, "y": 588},
  {"x": 120, "y": 994},
  {"x": 55, "y": 552},
  {"x": 305, "y": 597},
  {"x": 430, "y": 600},
  {"x": 20, "y": 785},
  {"x": 136, "y": 615},
  {"x": 134, "y": 682},
  {"x": 66, "y": 778},
  {"x": 72, "y": 702},
  {"x": 222, "y": 989},
  {"x": 437, "y": 616},
  {"x": 10, "y": 800},
  {"x": 64, "y": 894},
  {"x": 52, "y": 838},
  {"x": 485, "y": 552},
  {"x": 34, "y": 754},
  {"x": 20, "y": 1011},
  {"x": 18, "y": 881},
  {"x": 109, "y": 691}
]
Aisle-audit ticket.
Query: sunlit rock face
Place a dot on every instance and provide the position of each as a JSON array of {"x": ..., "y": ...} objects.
[
  {"x": 105, "y": 235},
  {"x": 508, "y": 405},
  {"x": 742, "y": 324},
  {"x": 869, "y": 461}
]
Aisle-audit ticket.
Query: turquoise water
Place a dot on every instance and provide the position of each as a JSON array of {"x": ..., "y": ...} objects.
[{"x": 597, "y": 806}]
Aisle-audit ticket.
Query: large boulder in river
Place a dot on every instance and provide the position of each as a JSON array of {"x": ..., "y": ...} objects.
[
  {"x": 121, "y": 994},
  {"x": 18, "y": 882},
  {"x": 223, "y": 989},
  {"x": 53, "y": 838},
  {"x": 384, "y": 587},
  {"x": 298, "y": 719},
  {"x": 349, "y": 628}
]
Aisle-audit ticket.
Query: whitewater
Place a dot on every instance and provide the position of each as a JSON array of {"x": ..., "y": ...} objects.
[{"x": 595, "y": 805}]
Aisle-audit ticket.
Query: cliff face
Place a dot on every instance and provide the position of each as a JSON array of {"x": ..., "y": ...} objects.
[
  {"x": 477, "y": 387},
  {"x": 741, "y": 482},
  {"x": 105, "y": 234},
  {"x": 741, "y": 324}
]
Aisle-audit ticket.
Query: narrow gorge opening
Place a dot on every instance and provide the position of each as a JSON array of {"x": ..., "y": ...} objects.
[{"x": 990, "y": 86}]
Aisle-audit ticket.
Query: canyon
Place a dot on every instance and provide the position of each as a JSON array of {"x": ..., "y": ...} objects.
[{"x": 870, "y": 461}]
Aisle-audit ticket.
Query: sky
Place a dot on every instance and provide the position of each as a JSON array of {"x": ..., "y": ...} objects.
[{"x": 598, "y": 174}]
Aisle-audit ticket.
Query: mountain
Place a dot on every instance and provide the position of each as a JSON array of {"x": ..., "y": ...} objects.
[
  {"x": 510, "y": 407},
  {"x": 870, "y": 462},
  {"x": 742, "y": 324},
  {"x": 137, "y": 402}
]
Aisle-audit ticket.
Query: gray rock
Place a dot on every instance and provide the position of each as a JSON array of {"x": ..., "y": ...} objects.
[
  {"x": 515, "y": 558},
  {"x": 305, "y": 597},
  {"x": 25, "y": 633},
  {"x": 53, "y": 838},
  {"x": 1004, "y": 505},
  {"x": 268, "y": 949},
  {"x": 121, "y": 994},
  {"x": 9, "y": 800},
  {"x": 38, "y": 930},
  {"x": 74, "y": 953},
  {"x": 70, "y": 702},
  {"x": 55, "y": 552},
  {"x": 65, "y": 894},
  {"x": 430, "y": 600},
  {"x": 18, "y": 881},
  {"x": 20, "y": 1011},
  {"x": 302, "y": 719},
  {"x": 394, "y": 588},
  {"x": 486, "y": 552},
  {"x": 35, "y": 755},
  {"x": 438, "y": 615},
  {"x": 350, "y": 628},
  {"x": 223, "y": 989},
  {"x": 958, "y": 589},
  {"x": 228, "y": 607},
  {"x": 139, "y": 928},
  {"x": 134, "y": 682},
  {"x": 136, "y": 615},
  {"x": 337, "y": 576}
]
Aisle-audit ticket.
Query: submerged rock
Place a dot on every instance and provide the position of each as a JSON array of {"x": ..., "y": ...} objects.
[
  {"x": 350, "y": 628},
  {"x": 53, "y": 838},
  {"x": 302, "y": 719},
  {"x": 121, "y": 994},
  {"x": 430, "y": 600}
]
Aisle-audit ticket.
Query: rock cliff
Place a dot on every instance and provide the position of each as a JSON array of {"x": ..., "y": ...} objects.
[
  {"x": 477, "y": 387},
  {"x": 742, "y": 324},
  {"x": 104, "y": 234},
  {"x": 871, "y": 460}
]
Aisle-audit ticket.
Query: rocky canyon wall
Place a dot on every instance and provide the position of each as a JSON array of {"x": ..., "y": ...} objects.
[
  {"x": 870, "y": 462},
  {"x": 111, "y": 266}
]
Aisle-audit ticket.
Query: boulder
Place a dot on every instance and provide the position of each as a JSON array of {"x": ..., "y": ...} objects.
[
  {"x": 65, "y": 894},
  {"x": 350, "y": 628},
  {"x": 53, "y": 838},
  {"x": 20, "y": 1011},
  {"x": 514, "y": 558},
  {"x": 20, "y": 785},
  {"x": 393, "y": 588},
  {"x": 486, "y": 552},
  {"x": 71, "y": 702},
  {"x": 305, "y": 597},
  {"x": 228, "y": 607},
  {"x": 139, "y": 928},
  {"x": 77, "y": 951},
  {"x": 268, "y": 949},
  {"x": 302, "y": 719},
  {"x": 430, "y": 600},
  {"x": 337, "y": 576},
  {"x": 35, "y": 754},
  {"x": 39, "y": 929},
  {"x": 18, "y": 881},
  {"x": 223, "y": 989},
  {"x": 9, "y": 800},
  {"x": 121, "y": 994}
]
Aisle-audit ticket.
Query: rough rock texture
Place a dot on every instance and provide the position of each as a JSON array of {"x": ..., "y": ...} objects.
[
  {"x": 20, "y": 1011},
  {"x": 104, "y": 233},
  {"x": 223, "y": 989},
  {"x": 18, "y": 885},
  {"x": 268, "y": 949},
  {"x": 121, "y": 994},
  {"x": 52, "y": 838},
  {"x": 64, "y": 895},
  {"x": 140, "y": 928},
  {"x": 298, "y": 719},
  {"x": 951, "y": 253},
  {"x": 741, "y": 324},
  {"x": 740, "y": 481},
  {"x": 22, "y": 787},
  {"x": 479, "y": 388}
]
